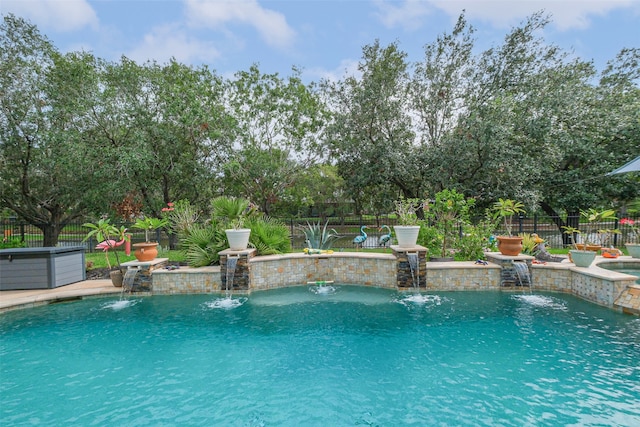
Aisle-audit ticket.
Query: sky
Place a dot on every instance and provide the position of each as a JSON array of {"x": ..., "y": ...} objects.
[{"x": 322, "y": 38}]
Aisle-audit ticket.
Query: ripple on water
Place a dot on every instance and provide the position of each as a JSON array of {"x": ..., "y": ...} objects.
[
  {"x": 227, "y": 303},
  {"x": 119, "y": 304},
  {"x": 420, "y": 299},
  {"x": 541, "y": 301},
  {"x": 322, "y": 290}
]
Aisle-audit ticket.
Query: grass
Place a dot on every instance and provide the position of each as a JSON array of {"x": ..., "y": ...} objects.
[{"x": 98, "y": 259}]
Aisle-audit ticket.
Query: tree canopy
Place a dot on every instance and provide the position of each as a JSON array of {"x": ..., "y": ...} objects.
[{"x": 522, "y": 120}]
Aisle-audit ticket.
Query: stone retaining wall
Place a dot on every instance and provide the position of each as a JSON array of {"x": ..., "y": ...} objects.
[
  {"x": 276, "y": 271},
  {"x": 604, "y": 287},
  {"x": 185, "y": 280}
]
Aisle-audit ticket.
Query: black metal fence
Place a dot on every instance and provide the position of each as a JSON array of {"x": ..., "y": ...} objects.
[{"x": 347, "y": 227}]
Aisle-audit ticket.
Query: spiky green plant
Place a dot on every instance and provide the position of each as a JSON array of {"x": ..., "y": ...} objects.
[
  {"x": 318, "y": 237},
  {"x": 182, "y": 217},
  {"x": 528, "y": 244}
]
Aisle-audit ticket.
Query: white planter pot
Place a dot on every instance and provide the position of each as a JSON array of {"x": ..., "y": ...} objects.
[
  {"x": 238, "y": 238},
  {"x": 634, "y": 250},
  {"x": 582, "y": 258},
  {"x": 407, "y": 235}
]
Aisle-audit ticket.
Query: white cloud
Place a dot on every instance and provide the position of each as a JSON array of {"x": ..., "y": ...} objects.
[
  {"x": 272, "y": 26},
  {"x": 565, "y": 14},
  {"x": 347, "y": 67},
  {"x": 409, "y": 14},
  {"x": 62, "y": 16},
  {"x": 168, "y": 41}
]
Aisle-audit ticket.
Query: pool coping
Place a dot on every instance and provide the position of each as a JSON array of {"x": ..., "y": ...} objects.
[{"x": 18, "y": 299}]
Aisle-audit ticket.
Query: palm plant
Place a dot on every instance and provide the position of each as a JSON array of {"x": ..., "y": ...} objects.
[
  {"x": 202, "y": 245},
  {"x": 231, "y": 211},
  {"x": 269, "y": 236}
]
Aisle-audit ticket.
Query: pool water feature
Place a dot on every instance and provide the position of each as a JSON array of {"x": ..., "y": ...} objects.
[
  {"x": 228, "y": 302},
  {"x": 522, "y": 273},
  {"x": 292, "y": 357}
]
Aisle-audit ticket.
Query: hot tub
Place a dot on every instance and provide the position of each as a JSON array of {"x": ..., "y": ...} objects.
[{"x": 41, "y": 268}]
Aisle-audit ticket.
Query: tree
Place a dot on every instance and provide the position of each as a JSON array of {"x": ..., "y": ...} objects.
[
  {"x": 370, "y": 136},
  {"x": 278, "y": 125},
  {"x": 45, "y": 160},
  {"x": 165, "y": 127}
]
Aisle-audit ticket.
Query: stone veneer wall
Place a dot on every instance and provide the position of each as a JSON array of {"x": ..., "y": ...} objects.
[
  {"x": 405, "y": 277},
  {"x": 276, "y": 271},
  {"x": 462, "y": 276},
  {"x": 241, "y": 280},
  {"x": 185, "y": 280},
  {"x": 604, "y": 287},
  {"x": 595, "y": 284}
]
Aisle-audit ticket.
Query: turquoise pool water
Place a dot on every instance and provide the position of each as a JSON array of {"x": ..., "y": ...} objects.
[{"x": 293, "y": 357}]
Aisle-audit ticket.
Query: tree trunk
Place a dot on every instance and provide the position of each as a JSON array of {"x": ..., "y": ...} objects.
[
  {"x": 573, "y": 220},
  {"x": 51, "y": 233}
]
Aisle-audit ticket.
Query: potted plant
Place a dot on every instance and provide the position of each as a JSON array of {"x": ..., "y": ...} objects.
[
  {"x": 148, "y": 250},
  {"x": 409, "y": 226},
  {"x": 448, "y": 212},
  {"x": 505, "y": 209},
  {"x": 582, "y": 255},
  {"x": 231, "y": 213},
  {"x": 632, "y": 248},
  {"x": 109, "y": 237}
]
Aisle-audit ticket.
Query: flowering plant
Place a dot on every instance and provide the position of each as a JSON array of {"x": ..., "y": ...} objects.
[{"x": 635, "y": 229}]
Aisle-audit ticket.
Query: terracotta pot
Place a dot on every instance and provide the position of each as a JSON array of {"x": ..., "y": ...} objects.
[
  {"x": 594, "y": 248},
  {"x": 146, "y": 251},
  {"x": 510, "y": 245}
]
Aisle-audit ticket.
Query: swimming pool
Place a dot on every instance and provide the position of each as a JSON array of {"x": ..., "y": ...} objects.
[
  {"x": 632, "y": 268},
  {"x": 359, "y": 356}
]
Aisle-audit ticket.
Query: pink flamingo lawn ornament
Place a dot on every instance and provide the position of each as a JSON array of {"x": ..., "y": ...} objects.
[{"x": 105, "y": 245}]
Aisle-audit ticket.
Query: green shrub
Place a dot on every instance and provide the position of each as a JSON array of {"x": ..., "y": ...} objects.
[
  {"x": 13, "y": 242},
  {"x": 476, "y": 239}
]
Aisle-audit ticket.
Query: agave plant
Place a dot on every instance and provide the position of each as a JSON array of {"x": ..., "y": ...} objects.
[{"x": 318, "y": 237}]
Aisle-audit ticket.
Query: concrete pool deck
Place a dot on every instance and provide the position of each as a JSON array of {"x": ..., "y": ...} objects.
[{"x": 10, "y": 300}]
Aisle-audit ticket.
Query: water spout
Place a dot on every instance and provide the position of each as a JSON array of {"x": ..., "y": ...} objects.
[
  {"x": 129, "y": 280},
  {"x": 232, "y": 262},
  {"x": 522, "y": 272},
  {"x": 414, "y": 266}
]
